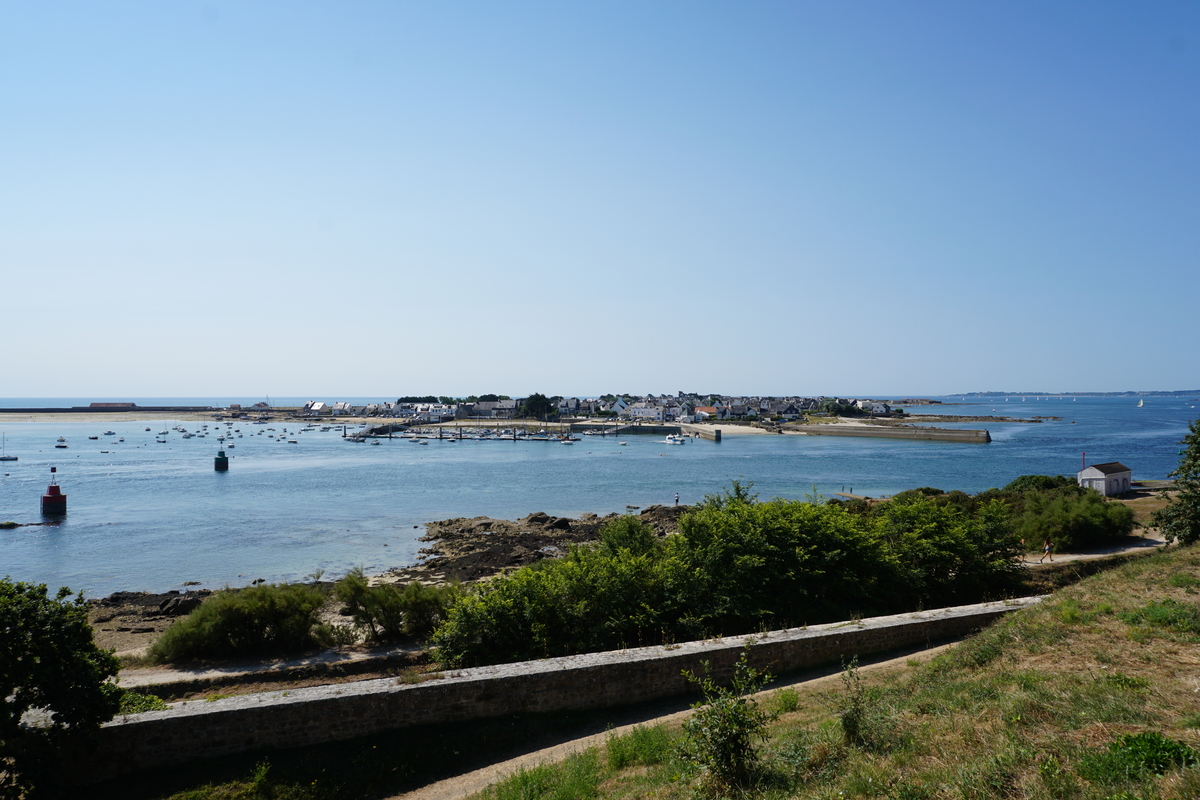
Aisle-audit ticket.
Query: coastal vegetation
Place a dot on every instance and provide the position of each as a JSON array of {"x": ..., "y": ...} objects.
[
  {"x": 1180, "y": 521},
  {"x": 267, "y": 620},
  {"x": 387, "y": 612},
  {"x": 51, "y": 667},
  {"x": 1044, "y": 507},
  {"x": 736, "y": 565}
]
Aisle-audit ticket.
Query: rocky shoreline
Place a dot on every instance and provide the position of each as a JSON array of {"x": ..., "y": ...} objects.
[{"x": 470, "y": 549}]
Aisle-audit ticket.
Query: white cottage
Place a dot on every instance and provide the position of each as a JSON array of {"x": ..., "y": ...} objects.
[{"x": 1108, "y": 479}]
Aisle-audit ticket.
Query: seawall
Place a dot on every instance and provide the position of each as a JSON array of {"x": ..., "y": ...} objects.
[
  {"x": 888, "y": 432},
  {"x": 206, "y": 729}
]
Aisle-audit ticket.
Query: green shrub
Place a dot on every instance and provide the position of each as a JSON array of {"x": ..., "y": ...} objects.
[
  {"x": 628, "y": 533},
  {"x": 785, "y": 701},
  {"x": 1072, "y": 519},
  {"x": 737, "y": 565},
  {"x": 1040, "y": 483},
  {"x": 719, "y": 736},
  {"x": 388, "y": 612},
  {"x": 867, "y": 723},
  {"x": 137, "y": 702},
  {"x": 268, "y": 620}
]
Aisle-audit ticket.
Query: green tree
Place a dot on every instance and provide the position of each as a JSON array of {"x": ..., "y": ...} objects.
[
  {"x": 48, "y": 663},
  {"x": 1180, "y": 521},
  {"x": 537, "y": 405}
]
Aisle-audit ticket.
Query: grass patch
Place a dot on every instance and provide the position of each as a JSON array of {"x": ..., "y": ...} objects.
[
  {"x": 576, "y": 778},
  {"x": 643, "y": 745}
]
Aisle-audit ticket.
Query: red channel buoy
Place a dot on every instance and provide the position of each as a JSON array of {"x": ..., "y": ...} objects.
[{"x": 54, "y": 502}]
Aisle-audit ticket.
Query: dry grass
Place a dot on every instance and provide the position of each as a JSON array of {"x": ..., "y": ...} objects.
[
  {"x": 1143, "y": 504},
  {"x": 1015, "y": 712}
]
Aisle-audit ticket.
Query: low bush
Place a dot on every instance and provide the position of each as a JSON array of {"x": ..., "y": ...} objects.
[
  {"x": 268, "y": 620},
  {"x": 137, "y": 702},
  {"x": 720, "y": 736},
  {"x": 1072, "y": 519},
  {"x": 389, "y": 612}
]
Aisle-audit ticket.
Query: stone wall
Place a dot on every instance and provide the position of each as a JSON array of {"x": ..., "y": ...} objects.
[
  {"x": 916, "y": 433},
  {"x": 206, "y": 729}
]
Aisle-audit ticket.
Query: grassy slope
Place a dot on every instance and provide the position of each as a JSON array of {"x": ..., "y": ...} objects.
[{"x": 1016, "y": 711}]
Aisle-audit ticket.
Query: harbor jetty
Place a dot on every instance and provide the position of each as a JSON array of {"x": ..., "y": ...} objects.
[{"x": 914, "y": 433}]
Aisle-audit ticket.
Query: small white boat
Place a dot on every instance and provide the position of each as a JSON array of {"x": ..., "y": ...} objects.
[{"x": 1141, "y": 403}]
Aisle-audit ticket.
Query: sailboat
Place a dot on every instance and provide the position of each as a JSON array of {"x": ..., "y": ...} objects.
[
  {"x": 5, "y": 456},
  {"x": 1141, "y": 403}
]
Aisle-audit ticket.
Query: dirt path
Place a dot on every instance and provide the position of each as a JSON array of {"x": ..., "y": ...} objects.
[
  {"x": 469, "y": 783},
  {"x": 1150, "y": 540}
]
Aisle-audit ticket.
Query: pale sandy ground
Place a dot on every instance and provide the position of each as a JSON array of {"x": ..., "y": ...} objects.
[
  {"x": 463, "y": 786},
  {"x": 105, "y": 418},
  {"x": 729, "y": 430}
]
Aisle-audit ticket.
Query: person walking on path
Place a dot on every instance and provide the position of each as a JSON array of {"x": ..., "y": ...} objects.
[{"x": 1047, "y": 548}]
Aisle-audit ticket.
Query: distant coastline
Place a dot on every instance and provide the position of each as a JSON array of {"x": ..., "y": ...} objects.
[{"x": 1180, "y": 393}]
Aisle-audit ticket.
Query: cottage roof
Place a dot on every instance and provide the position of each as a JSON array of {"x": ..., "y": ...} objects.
[{"x": 1111, "y": 468}]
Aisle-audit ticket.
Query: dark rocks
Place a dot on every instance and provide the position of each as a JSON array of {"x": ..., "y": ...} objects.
[{"x": 179, "y": 606}]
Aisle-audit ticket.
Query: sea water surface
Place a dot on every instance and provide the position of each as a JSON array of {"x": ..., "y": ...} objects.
[{"x": 150, "y": 516}]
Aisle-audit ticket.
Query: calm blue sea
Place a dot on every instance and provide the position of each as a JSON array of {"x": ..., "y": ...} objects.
[{"x": 149, "y": 516}]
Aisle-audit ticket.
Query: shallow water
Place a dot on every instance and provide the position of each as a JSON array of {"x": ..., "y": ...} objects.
[{"x": 150, "y": 516}]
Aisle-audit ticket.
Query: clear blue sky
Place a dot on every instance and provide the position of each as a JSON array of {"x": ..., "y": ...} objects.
[{"x": 380, "y": 199}]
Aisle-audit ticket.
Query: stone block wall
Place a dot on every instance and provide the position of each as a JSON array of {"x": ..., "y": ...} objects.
[{"x": 314, "y": 715}]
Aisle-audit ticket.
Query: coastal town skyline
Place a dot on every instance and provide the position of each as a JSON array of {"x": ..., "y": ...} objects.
[{"x": 208, "y": 199}]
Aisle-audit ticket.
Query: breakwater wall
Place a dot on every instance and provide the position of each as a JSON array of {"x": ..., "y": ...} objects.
[
  {"x": 116, "y": 410},
  {"x": 206, "y": 729},
  {"x": 889, "y": 432}
]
